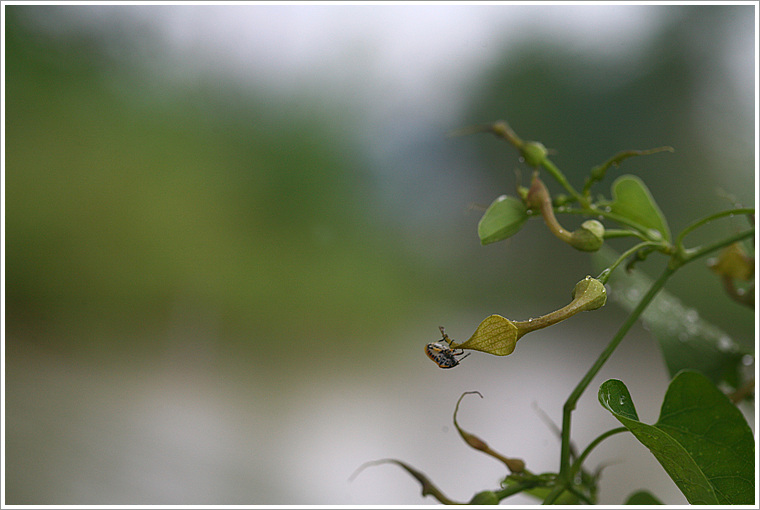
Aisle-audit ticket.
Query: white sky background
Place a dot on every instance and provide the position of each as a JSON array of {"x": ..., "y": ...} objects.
[
  {"x": 386, "y": 61},
  {"x": 384, "y": 56}
]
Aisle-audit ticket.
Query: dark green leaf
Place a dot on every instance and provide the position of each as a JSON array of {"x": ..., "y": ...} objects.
[
  {"x": 642, "y": 498},
  {"x": 632, "y": 200},
  {"x": 701, "y": 439},
  {"x": 503, "y": 218},
  {"x": 686, "y": 340}
]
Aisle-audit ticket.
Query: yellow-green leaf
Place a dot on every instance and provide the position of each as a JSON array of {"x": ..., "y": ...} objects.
[{"x": 495, "y": 335}]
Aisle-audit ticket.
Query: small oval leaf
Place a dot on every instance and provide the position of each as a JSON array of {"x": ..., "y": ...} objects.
[
  {"x": 503, "y": 218},
  {"x": 495, "y": 335}
]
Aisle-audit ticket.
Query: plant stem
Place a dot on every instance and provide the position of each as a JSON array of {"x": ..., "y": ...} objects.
[
  {"x": 516, "y": 488},
  {"x": 560, "y": 178},
  {"x": 701, "y": 251},
  {"x": 605, "y": 275},
  {"x": 564, "y": 471},
  {"x": 579, "y": 461},
  {"x": 708, "y": 219}
]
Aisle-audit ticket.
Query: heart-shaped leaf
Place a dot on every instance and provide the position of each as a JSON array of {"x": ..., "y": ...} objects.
[
  {"x": 503, "y": 218},
  {"x": 633, "y": 201},
  {"x": 701, "y": 439}
]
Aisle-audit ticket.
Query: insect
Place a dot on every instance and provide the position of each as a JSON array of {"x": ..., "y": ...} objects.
[{"x": 442, "y": 353}]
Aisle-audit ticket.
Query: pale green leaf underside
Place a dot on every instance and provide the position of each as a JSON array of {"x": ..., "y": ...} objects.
[{"x": 503, "y": 218}]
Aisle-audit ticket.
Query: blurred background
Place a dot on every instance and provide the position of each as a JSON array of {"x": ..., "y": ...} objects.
[{"x": 231, "y": 230}]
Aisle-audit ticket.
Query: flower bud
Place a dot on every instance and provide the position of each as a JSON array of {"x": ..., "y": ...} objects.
[
  {"x": 484, "y": 498},
  {"x": 589, "y": 237},
  {"x": 534, "y": 153},
  {"x": 589, "y": 294}
]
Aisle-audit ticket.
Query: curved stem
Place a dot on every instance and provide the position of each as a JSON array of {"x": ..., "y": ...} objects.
[
  {"x": 579, "y": 461},
  {"x": 695, "y": 253},
  {"x": 605, "y": 275},
  {"x": 516, "y": 488},
  {"x": 550, "y": 319},
  {"x": 641, "y": 231},
  {"x": 560, "y": 178},
  {"x": 708, "y": 219},
  {"x": 572, "y": 400},
  {"x": 612, "y": 233}
]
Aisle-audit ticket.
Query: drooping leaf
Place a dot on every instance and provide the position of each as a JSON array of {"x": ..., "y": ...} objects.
[
  {"x": 632, "y": 200},
  {"x": 495, "y": 335},
  {"x": 701, "y": 439},
  {"x": 687, "y": 341},
  {"x": 641, "y": 498},
  {"x": 503, "y": 218}
]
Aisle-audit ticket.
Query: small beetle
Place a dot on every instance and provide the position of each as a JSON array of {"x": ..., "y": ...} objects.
[{"x": 442, "y": 353}]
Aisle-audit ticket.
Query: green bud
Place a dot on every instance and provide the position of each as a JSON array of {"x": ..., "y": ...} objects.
[
  {"x": 534, "y": 153},
  {"x": 589, "y": 294},
  {"x": 484, "y": 498},
  {"x": 589, "y": 237}
]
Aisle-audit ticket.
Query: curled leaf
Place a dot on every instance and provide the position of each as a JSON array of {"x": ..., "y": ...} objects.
[
  {"x": 495, "y": 335},
  {"x": 734, "y": 263},
  {"x": 428, "y": 489},
  {"x": 514, "y": 465}
]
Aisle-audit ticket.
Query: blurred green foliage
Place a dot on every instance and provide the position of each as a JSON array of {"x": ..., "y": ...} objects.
[
  {"x": 125, "y": 198},
  {"x": 121, "y": 205}
]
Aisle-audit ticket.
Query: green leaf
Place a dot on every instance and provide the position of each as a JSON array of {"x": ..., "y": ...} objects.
[
  {"x": 701, "y": 439},
  {"x": 495, "y": 335},
  {"x": 687, "y": 341},
  {"x": 641, "y": 498},
  {"x": 484, "y": 498},
  {"x": 503, "y": 218},
  {"x": 633, "y": 201},
  {"x": 540, "y": 493}
]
